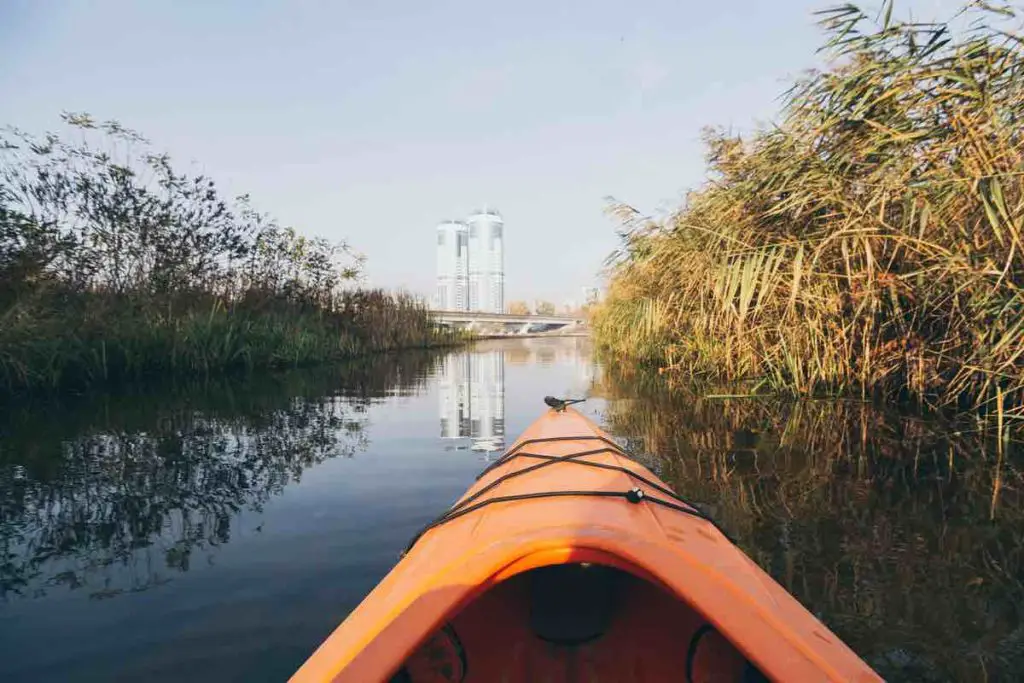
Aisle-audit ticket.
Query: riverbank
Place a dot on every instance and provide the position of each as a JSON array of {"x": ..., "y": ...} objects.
[
  {"x": 115, "y": 267},
  {"x": 60, "y": 341},
  {"x": 870, "y": 244}
]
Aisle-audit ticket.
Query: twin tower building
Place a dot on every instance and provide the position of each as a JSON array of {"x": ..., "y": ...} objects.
[{"x": 471, "y": 264}]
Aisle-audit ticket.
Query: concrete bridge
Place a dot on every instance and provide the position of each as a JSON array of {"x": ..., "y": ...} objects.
[{"x": 507, "y": 322}]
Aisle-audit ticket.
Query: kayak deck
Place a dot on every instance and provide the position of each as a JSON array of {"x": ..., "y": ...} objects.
[{"x": 567, "y": 560}]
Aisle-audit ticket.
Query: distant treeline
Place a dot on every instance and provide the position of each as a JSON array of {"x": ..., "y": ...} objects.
[
  {"x": 115, "y": 266},
  {"x": 872, "y": 241}
]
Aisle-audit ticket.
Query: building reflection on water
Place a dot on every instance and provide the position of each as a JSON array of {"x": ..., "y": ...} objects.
[{"x": 472, "y": 385}]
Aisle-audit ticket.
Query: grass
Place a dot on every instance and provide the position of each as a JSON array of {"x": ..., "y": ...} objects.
[
  {"x": 870, "y": 243},
  {"x": 59, "y": 341},
  {"x": 114, "y": 267}
]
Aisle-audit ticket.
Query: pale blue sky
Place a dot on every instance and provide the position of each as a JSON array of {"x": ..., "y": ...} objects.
[{"x": 375, "y": 120}]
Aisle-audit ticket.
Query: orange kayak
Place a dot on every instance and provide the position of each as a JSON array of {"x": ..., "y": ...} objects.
[{"x": 569, "y": 561}]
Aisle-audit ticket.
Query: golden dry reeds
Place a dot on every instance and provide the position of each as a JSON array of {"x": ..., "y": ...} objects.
[{"x": 872, "y": 241}]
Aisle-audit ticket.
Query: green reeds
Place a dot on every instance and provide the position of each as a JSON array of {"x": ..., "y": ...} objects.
[
  {"x": 114, "y": 266},
  {"x": 872, "y": 242},
  {"x": 102, "y": 341}
]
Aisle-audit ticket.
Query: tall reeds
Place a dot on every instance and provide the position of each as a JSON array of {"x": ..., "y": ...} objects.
[
  {"x": 872, "y": 241},
  {"x": 113, "y": 266}
]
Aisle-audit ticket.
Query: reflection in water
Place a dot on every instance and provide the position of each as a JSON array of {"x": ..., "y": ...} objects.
[
  {"x": 472, "y": 384},
  {"x": 219, "y": 531},
  {"x": 904, "y": 535},
  {"x": 546, "y": 351},
  {"x": 472, "y": 397},
  {"x": 117, "y": 493}
]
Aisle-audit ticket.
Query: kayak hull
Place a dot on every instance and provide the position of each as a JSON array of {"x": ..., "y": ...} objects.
[{"x": 649, "y": 587}]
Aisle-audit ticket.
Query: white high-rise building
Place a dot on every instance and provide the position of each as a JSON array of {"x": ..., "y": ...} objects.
[
  {"x": 471, "y": 264},
  {"x": 452, "y": 267},
  {"x": 486, "y": 261}
]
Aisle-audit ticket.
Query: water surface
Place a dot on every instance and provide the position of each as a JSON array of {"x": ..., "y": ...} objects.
[{"x": 219, "y": 530}]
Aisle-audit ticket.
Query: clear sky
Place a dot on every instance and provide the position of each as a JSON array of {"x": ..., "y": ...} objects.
[{"x": 374, "y": 120}]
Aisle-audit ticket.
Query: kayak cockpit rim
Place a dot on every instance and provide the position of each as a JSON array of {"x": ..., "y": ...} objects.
[
  {"x": 478, "y": 574},
  {"x": 546, "y": 557}
]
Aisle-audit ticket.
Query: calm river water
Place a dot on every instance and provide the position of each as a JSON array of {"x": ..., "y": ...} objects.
[{"x": 217, "y": 531}]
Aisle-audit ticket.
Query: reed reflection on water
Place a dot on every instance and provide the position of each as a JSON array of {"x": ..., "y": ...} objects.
[
  {"x": 112, "y": 493},
  {"x": 904, "y": 535}
]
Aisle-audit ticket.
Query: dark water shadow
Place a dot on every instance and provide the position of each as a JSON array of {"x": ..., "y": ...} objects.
[
  {"x": 905, "y": 535},
  {"x": 141, "y": 480}
]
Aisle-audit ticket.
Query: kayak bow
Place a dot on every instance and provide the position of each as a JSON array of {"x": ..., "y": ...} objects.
[{"x": 569, "y": 561}]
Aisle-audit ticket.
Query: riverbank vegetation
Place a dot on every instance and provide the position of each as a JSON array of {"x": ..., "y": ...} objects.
[
  {"x": 870, "y": 242},
  {"x": 115, "y": 266}
]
